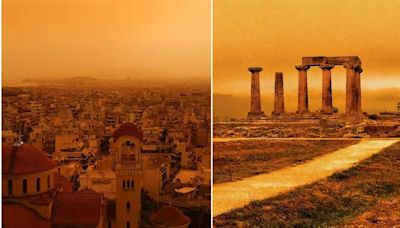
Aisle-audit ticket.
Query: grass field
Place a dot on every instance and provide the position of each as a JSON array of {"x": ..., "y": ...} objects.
[
  {"x": 238, "y": 159},
  {"x": 367, "y": 194}
]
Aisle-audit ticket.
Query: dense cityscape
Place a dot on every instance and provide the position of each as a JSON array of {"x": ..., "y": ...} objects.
[{"x": 83, "y": 151}]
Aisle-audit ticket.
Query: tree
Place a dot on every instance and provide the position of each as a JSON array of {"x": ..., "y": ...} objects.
[
  {"x": 163, "y": 135},
  {"x": 105, "y": 146}
]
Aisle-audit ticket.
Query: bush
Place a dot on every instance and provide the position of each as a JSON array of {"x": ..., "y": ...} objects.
[{"x": 373, "y": 117}]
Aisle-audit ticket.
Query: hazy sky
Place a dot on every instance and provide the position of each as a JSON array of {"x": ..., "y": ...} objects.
[
  {"x": 105, "y": 38},
  {"x": 275, "y": 34}
]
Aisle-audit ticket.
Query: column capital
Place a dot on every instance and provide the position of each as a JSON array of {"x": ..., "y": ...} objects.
[
  {"x": 255, "y": 69},
  {"x": 359, "y": 69},
  {"x": 326, "y": 66},
  {"x": 350, "y": 66},
  {"x": 302, "y": 67}
]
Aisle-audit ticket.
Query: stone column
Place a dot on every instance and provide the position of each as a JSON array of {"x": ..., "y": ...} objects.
[
  {"x": 327, "y": 107},
  {"x": 358, "y": 86},
  {"x": 279, "y": 102},
  {"x": 302, "y": 93},
  {"x": 255, "y": 107},
  {"x": 351, "y": 95}
]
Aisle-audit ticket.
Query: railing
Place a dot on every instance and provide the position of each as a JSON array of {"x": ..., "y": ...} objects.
[{"x": 135, "y": 165}]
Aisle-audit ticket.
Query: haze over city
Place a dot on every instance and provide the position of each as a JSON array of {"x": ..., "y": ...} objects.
[
  {"x": 106, "y": 113},
  {"x": 136, "y": 39}
]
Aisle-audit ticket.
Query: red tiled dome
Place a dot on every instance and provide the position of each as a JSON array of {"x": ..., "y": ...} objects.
[
  {"x": 170, "y": 216},
  {"x": 128, "y": 129},
  {"x": 25, "y": 159}
]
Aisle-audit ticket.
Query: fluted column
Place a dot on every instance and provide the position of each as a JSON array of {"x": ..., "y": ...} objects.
[
  {"x": 327, "y": 106},
  {"x": 351, "y": 88},
  {"x": 255, "y": 102},
  {"x": 303, "y": 90}
]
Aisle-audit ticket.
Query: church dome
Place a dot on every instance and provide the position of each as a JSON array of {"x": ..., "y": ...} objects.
[
  {"x": 25, "y": 159},
  {"x": 128, "y": 129}
]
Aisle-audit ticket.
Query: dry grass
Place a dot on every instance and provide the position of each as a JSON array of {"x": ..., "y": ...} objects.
[
  {"x": 238, "y": 159},
  {"x": 367, "y": 194}
]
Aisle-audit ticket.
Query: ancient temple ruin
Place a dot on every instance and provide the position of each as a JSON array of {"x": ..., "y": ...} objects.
[
  {"x": 352, "y": 64},
  {"x": 353, "y": 82}
]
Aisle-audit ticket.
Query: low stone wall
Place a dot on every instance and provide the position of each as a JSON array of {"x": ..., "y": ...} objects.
[{"x": 308, "y": 127}]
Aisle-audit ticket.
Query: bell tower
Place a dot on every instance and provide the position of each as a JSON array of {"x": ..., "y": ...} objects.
[{"x": 126, "y": 150}]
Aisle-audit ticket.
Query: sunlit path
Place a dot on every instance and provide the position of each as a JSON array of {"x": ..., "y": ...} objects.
[{"x": 231, "y": 195}]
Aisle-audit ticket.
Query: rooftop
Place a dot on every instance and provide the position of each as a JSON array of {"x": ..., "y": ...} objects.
[
  {"x": 129, "y": 129},
  {"x": 83, "y": 207},
  {"x": 25, "y": 159},
  {"x": 15, "y": 215},
  {"x": 169, "y": 216}
]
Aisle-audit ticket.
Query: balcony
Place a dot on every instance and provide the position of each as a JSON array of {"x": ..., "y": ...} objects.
[{"x": 129, "y": 167}]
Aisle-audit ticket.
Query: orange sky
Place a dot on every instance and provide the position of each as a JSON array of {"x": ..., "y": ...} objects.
[
  {"x": 105, "y": 38},
  {"x": 275, "y": 34}
]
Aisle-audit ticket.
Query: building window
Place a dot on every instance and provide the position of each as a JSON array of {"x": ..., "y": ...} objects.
[
  {"x": 48, "y": 181},
  {"x": 10, "y": 187},
  {"x": 128, "y": 206},
  {"x": 128, "y": 150},
  {"x": 24, "y": 186},
  {"x": 128, "y": 225},
  {"x": 38, "y": 184},
  {"x": 128, "y": 184}
]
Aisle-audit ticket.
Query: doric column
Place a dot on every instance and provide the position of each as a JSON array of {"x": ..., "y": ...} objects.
[
  {"x": 351, "y": 94},
  {"x": 326, "y": 89},
  {"x": 302, "y": 93},
  {"x": 279, "y": 102},
  {"x": 255, "y": 107},
  {"x": 358, "y": 86}
]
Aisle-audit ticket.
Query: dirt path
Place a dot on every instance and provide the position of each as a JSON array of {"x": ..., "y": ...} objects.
[{"x": 231, "y": 195}]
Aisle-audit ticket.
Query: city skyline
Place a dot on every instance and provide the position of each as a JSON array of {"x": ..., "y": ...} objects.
[{"x": 106, "y": 113}]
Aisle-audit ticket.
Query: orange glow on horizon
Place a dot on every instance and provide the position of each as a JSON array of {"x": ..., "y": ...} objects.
[
  {"x": 45, "y": 38},
  {"x": 276, "y": 34}
]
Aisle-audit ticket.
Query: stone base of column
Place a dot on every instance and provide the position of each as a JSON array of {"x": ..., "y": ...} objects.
[
  {"x": 354, "y": 113},
  {"x": 277, "y": 113},
  {"x": 302, "y": 111},
  {"x": 255, "y": 115},
  {"x": 327, "y": 111},
  {"x": 354, "y": 116}
]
